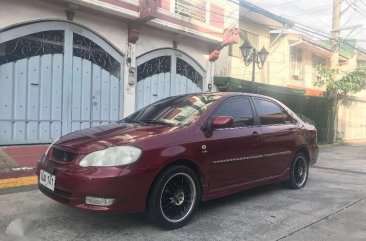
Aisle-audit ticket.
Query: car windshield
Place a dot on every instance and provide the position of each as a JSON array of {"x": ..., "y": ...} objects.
[{"x": 177, "y": 110}]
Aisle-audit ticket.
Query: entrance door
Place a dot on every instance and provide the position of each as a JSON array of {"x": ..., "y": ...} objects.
[
  {"x": 166, "y": 72},
  {"x": 56, "y": 77}
]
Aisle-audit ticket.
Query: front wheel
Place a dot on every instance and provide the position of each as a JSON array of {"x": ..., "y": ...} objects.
[
  {"x": 299, "y": 172},
  {"x": 174, "y": 197}
]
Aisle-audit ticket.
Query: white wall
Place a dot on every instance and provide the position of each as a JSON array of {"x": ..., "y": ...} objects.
[
  {"x": 152, "y": 38},
  {"x": 352, "y": 120},
  {"x": 14, "y": 12},
  {"x": 279, "y": 62}
]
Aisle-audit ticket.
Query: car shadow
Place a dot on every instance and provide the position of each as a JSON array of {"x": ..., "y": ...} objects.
[
  {"x": 80, "y": 222},
  {"x": 240, "y": 197}
]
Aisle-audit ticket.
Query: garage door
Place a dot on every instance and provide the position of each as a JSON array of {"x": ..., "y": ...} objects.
[
  {"x": 56, "y": 77},
  {"x": 166, "y": 72}
]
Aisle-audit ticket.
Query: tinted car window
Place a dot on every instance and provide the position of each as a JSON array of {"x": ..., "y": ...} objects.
[
  {"x": 239, "y": 108},
  {"x": 177, "y": 110},
  {"x": 288, "y": 118},
  {"x": 270, "y": 113}
]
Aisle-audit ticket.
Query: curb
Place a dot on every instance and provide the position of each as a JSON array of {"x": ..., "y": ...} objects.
[
  {"x": 18, "y": 182},
  {"x": 17, "y": 177},
  {"x": 326, "y": 146}
]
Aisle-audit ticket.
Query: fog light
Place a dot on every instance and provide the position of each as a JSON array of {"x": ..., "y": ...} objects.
[{"x": 99, "y": 201}]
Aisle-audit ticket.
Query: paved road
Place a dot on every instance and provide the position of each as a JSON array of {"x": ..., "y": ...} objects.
[{"x": 331, "y": 207}]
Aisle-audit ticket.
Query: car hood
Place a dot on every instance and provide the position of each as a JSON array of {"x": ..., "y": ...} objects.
[{"x": 115, "y": 134}]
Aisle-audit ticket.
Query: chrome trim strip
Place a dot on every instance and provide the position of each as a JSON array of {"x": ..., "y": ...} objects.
[{"x": 251, "y": 157}]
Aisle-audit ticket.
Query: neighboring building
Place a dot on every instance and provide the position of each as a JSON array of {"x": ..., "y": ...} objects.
[
  {"x": 361, "y": 57},
  {"x": 352, "y": 115},
  {"x": 72, "y": 64},
  {"x": 299, "y": 57},
  {"x": 294, "y": 58},
  {"x": 255, "y": 25}
]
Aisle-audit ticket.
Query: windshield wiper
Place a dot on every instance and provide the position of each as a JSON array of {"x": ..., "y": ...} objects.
[
  {"x": 159, "y": 122},
  {"x": 132, "y": 121}
]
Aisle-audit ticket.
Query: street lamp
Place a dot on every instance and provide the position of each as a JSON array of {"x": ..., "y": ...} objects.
[{"x": 250, "y": 55}]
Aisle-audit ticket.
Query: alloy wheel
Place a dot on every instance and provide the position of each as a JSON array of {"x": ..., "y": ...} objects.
[
  {"x": 178, "y": 197},
  {"x": 300, "y": 171}
]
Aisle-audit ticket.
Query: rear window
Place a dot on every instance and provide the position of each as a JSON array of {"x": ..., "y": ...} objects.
[{"x": 270, "y": 113}]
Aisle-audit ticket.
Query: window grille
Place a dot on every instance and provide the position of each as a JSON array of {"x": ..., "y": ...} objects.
[
  {"x": 296, "y": 66},
  {"x": 191, "y": 9}
]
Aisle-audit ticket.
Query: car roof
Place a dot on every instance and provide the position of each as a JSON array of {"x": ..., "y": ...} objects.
[{"x": 233, "y": 94}]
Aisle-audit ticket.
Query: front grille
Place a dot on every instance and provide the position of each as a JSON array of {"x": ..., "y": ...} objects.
[
  {"x": 63, "y": 156},
  {"x": 53, "y": 195},
  {"x": 62, "y": 192}
]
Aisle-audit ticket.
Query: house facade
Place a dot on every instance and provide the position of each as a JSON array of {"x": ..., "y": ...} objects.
[
  {"x": 72, "y": 64},
  {"x": 255, "y": 25},
  {"x": 293, "y": 63}
]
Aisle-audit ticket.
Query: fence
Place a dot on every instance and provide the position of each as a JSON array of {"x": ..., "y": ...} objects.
[{"x": 316, "y": 110}]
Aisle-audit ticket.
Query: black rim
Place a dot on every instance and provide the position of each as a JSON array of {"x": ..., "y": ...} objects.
[
  {"x": 300, "y": 171},
  {"x": 178, "y": 197}
]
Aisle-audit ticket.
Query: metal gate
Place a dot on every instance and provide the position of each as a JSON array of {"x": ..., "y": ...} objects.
[
  {"x": 166, "y": 72},
  {"x": 56, "y": 77}
]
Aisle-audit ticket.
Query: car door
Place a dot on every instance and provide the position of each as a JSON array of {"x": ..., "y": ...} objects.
[
  {"x": 232, "y": 152},
  {"x": 278, "y": 132}
]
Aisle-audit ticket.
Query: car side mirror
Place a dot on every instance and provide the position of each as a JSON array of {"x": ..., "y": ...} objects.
[{"x": 222, "y": 122}]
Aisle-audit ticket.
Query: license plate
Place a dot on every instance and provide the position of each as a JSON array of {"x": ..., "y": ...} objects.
[{"x": 48, "y": 180}]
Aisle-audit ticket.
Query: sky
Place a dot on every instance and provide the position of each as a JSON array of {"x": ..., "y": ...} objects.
[{"x": 318, "y": 14}]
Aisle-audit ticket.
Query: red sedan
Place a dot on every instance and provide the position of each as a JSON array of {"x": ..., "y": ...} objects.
[{"x": 167, "y": 157}]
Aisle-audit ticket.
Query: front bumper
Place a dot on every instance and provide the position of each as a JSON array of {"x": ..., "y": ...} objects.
[{"x": 129, "y": 186}]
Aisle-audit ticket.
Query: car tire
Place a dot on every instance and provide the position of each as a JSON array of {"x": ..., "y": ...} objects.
[
  {"x": 299, "y": 172},
  {"x": 174, "y": 197}
]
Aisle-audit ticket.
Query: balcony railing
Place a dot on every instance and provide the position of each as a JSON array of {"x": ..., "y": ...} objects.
[{"x": 191, "y": 9}]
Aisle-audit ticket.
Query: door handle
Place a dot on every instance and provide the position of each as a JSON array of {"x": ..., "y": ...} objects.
[{"x": 257, "y": 138}]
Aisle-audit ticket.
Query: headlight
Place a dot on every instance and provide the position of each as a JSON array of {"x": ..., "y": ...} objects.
[
  {"x": 112, "y": 156},
  {"x": 49, "y": 147}
]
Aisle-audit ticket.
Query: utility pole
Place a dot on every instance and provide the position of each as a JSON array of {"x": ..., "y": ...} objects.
[
  {"x": 336, "y": 24},
  {"x": 334, "y": 57}
]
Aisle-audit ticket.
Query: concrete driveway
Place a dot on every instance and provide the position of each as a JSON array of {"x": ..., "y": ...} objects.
[{"x": 331, "y": 207}]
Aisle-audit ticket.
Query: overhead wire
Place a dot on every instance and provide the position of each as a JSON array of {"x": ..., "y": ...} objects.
[
  {"x": 302, "y": 28},
  {"x": 305, "y": 29},
  {"x": 363, "y": 3},
  {"x": 356, "y": 7}
]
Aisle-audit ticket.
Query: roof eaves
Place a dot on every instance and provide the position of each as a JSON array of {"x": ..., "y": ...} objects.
[
  {"x": 323, "y": 45},
  {"x": 266, "y": 13}
]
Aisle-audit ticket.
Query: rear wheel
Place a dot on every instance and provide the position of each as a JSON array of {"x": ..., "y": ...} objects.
[
  {"x": 174, "y": 197},
  {"x": 299, "y": 171}
]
